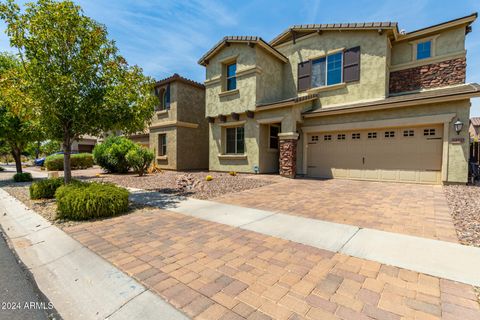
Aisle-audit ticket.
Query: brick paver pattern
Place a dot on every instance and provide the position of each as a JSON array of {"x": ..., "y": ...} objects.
[
  {"x": 413, "y": 209},
  {"x": 213, "y": 271}
]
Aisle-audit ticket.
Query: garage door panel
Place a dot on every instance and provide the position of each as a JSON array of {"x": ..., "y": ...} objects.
[{"x": 390, "y": 154}]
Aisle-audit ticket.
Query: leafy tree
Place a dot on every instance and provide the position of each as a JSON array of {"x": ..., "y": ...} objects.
[
  {"x": 81, "y": 82},
  {"x": 18, "y": 121},
  {"x": 49, "y": 147}
]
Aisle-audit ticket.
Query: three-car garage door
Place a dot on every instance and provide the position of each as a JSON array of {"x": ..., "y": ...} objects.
[{"x": 407, "y": 154}]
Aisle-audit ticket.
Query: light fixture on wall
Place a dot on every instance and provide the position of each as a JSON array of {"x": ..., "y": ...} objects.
[{"x": 458, "y": 126}]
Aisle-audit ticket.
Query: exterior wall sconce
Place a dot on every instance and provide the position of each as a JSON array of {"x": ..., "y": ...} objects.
[{"x": 458, "y": 126}]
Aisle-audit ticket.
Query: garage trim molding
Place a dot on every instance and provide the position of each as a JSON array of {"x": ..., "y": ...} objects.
[{"x": 445, "y": 118}]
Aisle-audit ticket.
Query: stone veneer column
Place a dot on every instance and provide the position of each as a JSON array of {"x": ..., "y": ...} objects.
[{"x": 288, "y": 154}]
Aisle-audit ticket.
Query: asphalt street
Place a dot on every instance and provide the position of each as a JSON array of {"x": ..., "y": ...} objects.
[{"x": 19, "y": 296}]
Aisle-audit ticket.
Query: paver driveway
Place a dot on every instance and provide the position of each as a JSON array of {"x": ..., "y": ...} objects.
[
  {"x": 213, "y": 271},
  {"x": 419, "y": 210}
]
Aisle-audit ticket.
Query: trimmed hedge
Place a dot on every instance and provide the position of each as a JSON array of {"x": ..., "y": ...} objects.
[
  {"x": 45, "y": 189},
  {"x": 111, "y": 154},
  {"x": 77, "y": 161},
  {"x": 139, "y": 158},
  {"x": 22, "y": 177},
  {"x": 2, "y": 169},
  {"x": 83, "y": 200}
]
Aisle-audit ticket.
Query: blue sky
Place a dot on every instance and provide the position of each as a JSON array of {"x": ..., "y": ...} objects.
[{"x": 168, "y": 36}]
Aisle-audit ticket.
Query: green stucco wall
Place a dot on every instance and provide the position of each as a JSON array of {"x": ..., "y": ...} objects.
[
  {"x": 373, "y": 66},
  {"x": 448, "y": 42}
]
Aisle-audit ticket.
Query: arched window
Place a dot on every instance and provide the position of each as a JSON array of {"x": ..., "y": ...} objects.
[{"x": 163, "y": 95}]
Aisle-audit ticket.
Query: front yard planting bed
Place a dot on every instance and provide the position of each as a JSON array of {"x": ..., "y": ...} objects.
[
  {"x": 47, "y": 208},
  {"x": 191, "y": 184},
  {"x": 464, "y": 202}
]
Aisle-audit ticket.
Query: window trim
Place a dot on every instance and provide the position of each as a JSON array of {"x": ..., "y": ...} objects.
[
  {"x": 432, "y": 39},
  {"x": 430, "y": 49},
  {"x": 160, "y": 152},
  {"x": 236, "y": 141},
  {"x": 329, "y": 54},
  {"x": 227, "y": 64}
]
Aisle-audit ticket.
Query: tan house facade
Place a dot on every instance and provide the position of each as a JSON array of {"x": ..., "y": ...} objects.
[
  {"x": 178, "y": 133},
  {"x": 355, "y": 101}
]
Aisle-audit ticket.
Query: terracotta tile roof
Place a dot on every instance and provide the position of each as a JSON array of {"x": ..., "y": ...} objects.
[
  {"x": 247, "y": 39},
  {"x": 466, "y": 90},
  {"x": 310, "y": 28},
  {"x": 475, "y": 121},
  {"x": 177, "y": 77}
]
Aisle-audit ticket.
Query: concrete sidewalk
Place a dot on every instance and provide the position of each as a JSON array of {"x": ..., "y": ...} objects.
[
  {"x": 438, "y": 258},
  {"x": 79, "y": 283}
]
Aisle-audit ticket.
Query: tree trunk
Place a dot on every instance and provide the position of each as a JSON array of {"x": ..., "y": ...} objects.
[
  {"x": 67, "y": 170},
  {"x": 37, "y": 150},
  {"x": 17, "y": 156}
]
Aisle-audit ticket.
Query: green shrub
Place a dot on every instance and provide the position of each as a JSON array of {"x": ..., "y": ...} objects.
[
  {"x": 111, "y": 154},
  {"x": 2, "y": 169},
  {"x": 45, "y": 189},
  {"x": 77, "y": 161},
  {"x": 139, "y": 159},
  {"x": 22, "y": 177},
  {"x": 83, "y": 200}
]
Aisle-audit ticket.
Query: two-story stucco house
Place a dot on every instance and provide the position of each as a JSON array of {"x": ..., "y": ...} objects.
[
  {"x": 178, "y": 133},
  {"x": 349, "y": 100}
]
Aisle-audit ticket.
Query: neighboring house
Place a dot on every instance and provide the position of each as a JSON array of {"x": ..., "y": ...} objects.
[
  {"x": 474, "y": 128},
  {"x": 350, "y": 100},
  {"x": 178, "y": 133},
  {"x": 85, "y": 144}
]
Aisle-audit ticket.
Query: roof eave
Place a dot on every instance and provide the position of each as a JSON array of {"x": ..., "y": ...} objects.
[
  {"x": 390, "y": 105},
  {"x": 467, "y": 20},
  {"x": 219, "y": 46}
]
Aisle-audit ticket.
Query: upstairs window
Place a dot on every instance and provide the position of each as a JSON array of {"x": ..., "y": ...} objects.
[
  {"x": 332, "y": 69},
  {"x": 327, "y": 70},
  {"x": 231, "y": 76},
  {"x": 235, "y": 140},
  {"x": 424, "y": 50},
  {"x": 163, "y": 95}
]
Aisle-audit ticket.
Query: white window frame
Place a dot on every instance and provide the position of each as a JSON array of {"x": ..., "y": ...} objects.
[
  {"x": 160, "y": 153},
  {"x": 342, "y": 52},
  {"x": 236, "y": 140}
]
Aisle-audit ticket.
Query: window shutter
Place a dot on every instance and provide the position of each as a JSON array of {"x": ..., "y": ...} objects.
[
  {"x": 167, "y": 97},
  {"x": 351, "y": 65},
  {"x": 304, "y": 75}
]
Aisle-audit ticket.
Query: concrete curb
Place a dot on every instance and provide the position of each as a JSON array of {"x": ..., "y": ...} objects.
[
  {"x": 434, "y": 257},
  {"x": 79, "y": 283}
]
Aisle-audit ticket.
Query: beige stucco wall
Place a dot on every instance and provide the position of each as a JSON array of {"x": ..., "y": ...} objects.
[
  {"x": 448, "y": 42},
  {"x": 187, "y": 148},
  {"x": 373, "y": 66},
  {"x": 457, "y": 153},
  {"x": 170, "y": 162}
]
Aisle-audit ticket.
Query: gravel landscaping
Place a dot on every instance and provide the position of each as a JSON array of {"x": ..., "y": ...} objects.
[
  {"x": 191, "y": 184},
  {"x": 464, "y": 202}
]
